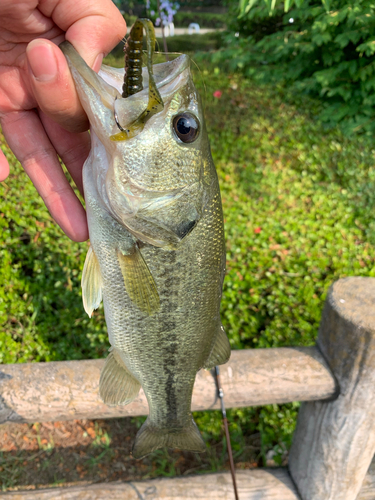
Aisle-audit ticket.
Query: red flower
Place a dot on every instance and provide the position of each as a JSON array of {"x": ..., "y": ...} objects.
[
  {"x": 217, "y": 93},
  {"x": 257, "y": 230}
]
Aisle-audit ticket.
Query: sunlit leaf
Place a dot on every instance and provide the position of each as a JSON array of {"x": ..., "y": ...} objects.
[
  {"x": 250, "y": 5},
  {"x": 246, "y": 5},
  {"x": 268, "y": 4},
  {"x": 287, "y": 5},
  {"x": 243, "y": 4}
]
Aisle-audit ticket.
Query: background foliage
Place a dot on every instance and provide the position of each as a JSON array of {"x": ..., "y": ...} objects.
[
  {"x": 324, "y": 49},
  {"x": 204, "y": 19}
]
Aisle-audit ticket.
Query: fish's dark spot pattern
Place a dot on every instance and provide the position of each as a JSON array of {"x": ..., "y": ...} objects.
[
  {"x": 168, "y": 325},
  {"x": 170, "y": 385},
  {"x": 169, "y": 282},
  {"x": 172, "y": 257}
]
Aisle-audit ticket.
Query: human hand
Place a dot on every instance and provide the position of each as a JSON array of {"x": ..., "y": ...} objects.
[{"x": 40, "y": 113}]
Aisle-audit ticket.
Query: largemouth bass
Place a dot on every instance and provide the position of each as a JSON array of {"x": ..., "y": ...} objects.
[{"x": 157, "y": 253}]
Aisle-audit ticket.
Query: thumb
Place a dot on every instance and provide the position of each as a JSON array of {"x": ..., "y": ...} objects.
[{"x": 95, "y": 34}]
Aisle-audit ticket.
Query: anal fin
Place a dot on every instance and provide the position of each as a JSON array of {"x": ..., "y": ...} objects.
[
  {"x": 91, "y": 283},
  {"x": 138, "y": 280},
  {"x": 117, "y": 386},
  {"x": 220, "y": 353}
]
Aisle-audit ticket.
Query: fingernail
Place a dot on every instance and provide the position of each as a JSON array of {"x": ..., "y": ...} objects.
[
  {"x": 42, "y": 61},
  {"x": 98, "y": 62}
]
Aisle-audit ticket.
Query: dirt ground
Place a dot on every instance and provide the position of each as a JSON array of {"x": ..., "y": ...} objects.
[{"x": 89, "y": 451}]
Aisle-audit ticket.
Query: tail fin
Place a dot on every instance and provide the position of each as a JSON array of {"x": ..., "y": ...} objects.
[{"x": 151, "y": 438}]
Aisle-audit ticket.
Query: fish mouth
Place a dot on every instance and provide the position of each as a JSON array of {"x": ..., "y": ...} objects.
[
  {"x": 107, "y": 83},
  {"x": 164, "y": 74},
  {"x": 169, "y": 78},
  {"x": 84, "y": 76}
]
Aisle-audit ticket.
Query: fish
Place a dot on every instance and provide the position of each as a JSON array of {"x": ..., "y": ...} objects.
[{"x": 157, "y": 250}]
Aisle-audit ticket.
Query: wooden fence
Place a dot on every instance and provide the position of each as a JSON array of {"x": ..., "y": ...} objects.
[{"x": 334, "y": 442}]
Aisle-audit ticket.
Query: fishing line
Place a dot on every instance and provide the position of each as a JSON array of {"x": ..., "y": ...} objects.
[
  {"x": 116, "y": 118},
  {"x": 162, "y": 32},
  {"x": 203, "y": 81},
  {"x": 220, "y": 393},
  {"x": 167, "y": 53}
]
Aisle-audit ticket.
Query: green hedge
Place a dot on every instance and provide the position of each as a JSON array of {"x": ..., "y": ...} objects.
[
  {"x": 182, "y": 43},
  {"x": 330, "y": 54},
  {"x": 183, "y": 19},
  {"x": 192, "y": 43},
  {"x": 204, "y": 19}
]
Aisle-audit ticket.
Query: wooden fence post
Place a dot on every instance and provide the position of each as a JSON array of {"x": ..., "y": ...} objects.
[{"x": 334, "y": 442}]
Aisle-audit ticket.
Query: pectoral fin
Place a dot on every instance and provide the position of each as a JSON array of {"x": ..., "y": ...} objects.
[
  {"x": 117, "y": 386},
  {"x": 138, "y": 280},
  {"x": 91, "y": 283},
  {"x": 220, "y": 352}
]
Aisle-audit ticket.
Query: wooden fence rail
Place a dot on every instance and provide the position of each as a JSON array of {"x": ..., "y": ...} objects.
[
  {"x": 64, "y": 390},
  {"x": 257, "y": 484},
  {"x": 335, "y": 438}
]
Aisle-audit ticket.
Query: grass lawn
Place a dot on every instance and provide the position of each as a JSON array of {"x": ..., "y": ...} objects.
[{"x": 298, "y": 205}]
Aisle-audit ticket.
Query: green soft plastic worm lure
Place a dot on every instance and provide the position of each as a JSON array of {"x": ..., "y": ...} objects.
[{"x": 133, "y": 78}]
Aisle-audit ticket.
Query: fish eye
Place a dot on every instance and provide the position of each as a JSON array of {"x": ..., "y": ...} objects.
[{"x": 186, "y": 127}]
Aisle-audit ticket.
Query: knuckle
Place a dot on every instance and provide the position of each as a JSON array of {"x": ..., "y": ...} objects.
[
  {"x": 37, "y": 156},
  {"x": 75, "y": 154}
]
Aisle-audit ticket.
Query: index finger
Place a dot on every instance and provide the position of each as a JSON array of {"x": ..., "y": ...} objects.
[{"x": 26, "y": 137}]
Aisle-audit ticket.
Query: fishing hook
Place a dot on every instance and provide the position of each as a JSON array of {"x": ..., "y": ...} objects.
[{"x": 116, "y": 118}]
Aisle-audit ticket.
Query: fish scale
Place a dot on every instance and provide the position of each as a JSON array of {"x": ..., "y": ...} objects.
[{"x": 157, "y": 254}]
